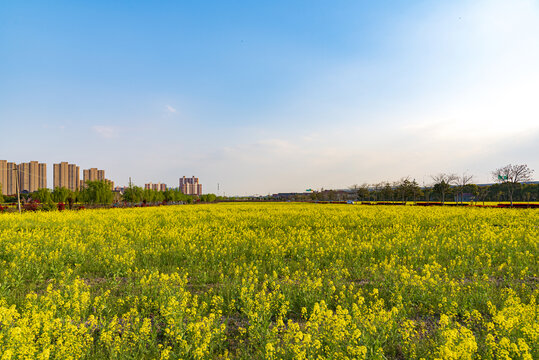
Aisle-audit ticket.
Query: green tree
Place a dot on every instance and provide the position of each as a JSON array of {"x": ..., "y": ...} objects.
[
  {"x": 148, "y": 195},
  {"x": 361, "y": 191},
  {"x": 169, "y": 195},
  {"x": 442, "y": 184},
  {"x": 472, "y": 189},
  {"x": 377, "y": 191},
  {"x": 441, "y": 188},
  {"x": 97, "y": 192},
  {"x": 211, "y": 198},
  {"x": 407, "y": 188},
  {"x": 482, "y": 193},
  {"x": 1, "y": 196},
  {"x": 529, "y": 192},
  {"x": 158, "y": 196},
  {"x": 61, "y": 194},
  {"x": 387, "y": 192},
  {"x": 43, "y": 195},
  {"x": 133, "y": 194},
  {"x": 427, "y": 191}
]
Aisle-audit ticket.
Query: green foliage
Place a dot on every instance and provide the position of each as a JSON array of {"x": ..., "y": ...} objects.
[
  {"x": 133, "y": 194},
  {"x": 49, "y": 206},
  {"x": 158, "y": 196},
  {"x": 148, "y": 196},
  {"x": 136, "y": 194},
  {"x": 208, "y": 198},
  {"x": 387, "y": 192},
  {"x": 169, "y": 195},
  {"x": 61, "y": 194},
  {"x": 152, "y": 196},
  {"x": 442, "y": 188},
  {"x": 97, "y": 192},
  {"x": 408, "y": 189},
  {"x": 43, "y": 195}
]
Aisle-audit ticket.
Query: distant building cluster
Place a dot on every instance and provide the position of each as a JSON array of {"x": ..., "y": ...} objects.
[
  {"x": 190, "y": 186},
  {"x": 29, "y": 176},
  {"x": 32, "y": 176},
  {"x": 156, "y": 187},
  {"x": 68, "y": 176}
]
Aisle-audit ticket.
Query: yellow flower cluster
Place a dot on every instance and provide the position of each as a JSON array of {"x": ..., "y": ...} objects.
[{"x": 270, "y": 281}]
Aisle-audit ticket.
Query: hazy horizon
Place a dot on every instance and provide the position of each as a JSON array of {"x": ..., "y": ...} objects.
[{"x": 271, "y": 97}]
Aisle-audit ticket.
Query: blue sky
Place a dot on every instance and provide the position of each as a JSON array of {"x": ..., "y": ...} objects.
[{"x": 271, "y": 96}]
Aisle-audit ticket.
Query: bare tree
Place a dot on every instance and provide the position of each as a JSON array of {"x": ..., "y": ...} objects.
[
  {"x": 461, "y": 182},
  {"x": 511, "y": 175},
  {"x": 442, "y": 183}
]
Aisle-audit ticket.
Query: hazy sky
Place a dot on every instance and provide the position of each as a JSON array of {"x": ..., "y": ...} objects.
[{"x": 271, "y": 96}]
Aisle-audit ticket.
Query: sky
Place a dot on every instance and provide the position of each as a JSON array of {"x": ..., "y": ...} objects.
[{"x": 273, "y": 96}]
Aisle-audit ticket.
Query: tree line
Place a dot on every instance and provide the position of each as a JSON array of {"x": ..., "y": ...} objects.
[
  {"x": 100, "y": 193},
  {"x": 136, "y": 194},
  {"x": 510, "y": 184}
]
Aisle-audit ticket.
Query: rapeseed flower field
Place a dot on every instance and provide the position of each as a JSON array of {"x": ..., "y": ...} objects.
[{"x": 270, "y": 281}]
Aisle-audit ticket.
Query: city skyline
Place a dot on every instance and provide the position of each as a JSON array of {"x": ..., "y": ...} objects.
[
  {"x": 33, "y": 176},
  {"x": 272, "y": 97}
]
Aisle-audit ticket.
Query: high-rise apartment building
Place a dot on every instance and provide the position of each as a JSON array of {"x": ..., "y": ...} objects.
[
  {"x": 11, "y": 188},
  {"x": 66, "y": 175},
  {"x": 3, "y": 176},
  {"x": 42, "y": 176},
  {"x": 157, "y": 187},
  {"x": 32, "y": 176},
  {"x": 8, "y": 180},
  {"x": 93, "y": 174},
  {"x": 190, "y": 186},
  {"x": 73, "y": 177}
]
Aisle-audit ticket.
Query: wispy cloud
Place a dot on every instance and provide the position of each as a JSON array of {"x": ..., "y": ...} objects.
[
  {"x": 170, "y": 109},
  {"x": 106, "y": 132}
]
